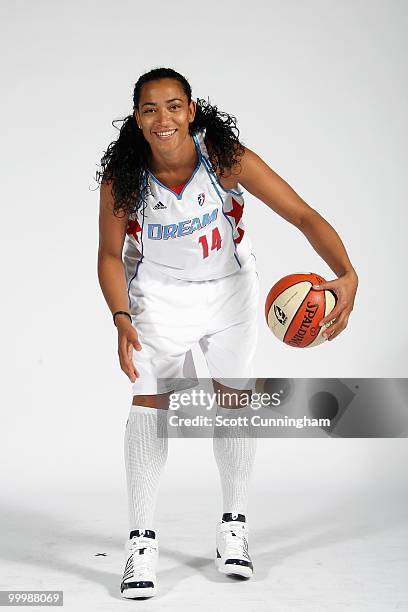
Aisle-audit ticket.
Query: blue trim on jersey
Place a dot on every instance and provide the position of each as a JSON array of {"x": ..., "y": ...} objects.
[
  {"x": 223, "y": 211},
  {"x": 180, "y": 195},
  {"x": 142, "y": 255},
  {"x": 238, "y": 193}
]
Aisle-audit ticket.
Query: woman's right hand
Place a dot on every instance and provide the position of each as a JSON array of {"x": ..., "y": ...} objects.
[{"x": 127, "y": 341}]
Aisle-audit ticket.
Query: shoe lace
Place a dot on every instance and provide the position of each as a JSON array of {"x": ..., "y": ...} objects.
[
  {"x": 235, "y": 540},
  {"x": 142, "y": 553}
]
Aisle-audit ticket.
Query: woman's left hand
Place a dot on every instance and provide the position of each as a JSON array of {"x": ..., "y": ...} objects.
[{"x": 345, "y": 288}]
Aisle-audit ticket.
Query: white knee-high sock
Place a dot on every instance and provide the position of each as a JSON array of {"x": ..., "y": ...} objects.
[
  {"x": 234, "y": 451},
  {"x": 146, "y": 447}
]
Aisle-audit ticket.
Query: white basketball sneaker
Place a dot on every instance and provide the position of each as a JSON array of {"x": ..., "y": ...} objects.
[
  {"x": 139, "y": 578},
  {"x": 232, "y": 546}
]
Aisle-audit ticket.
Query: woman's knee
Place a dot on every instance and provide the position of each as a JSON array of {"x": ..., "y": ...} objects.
[{"x": 159, "y": 400}]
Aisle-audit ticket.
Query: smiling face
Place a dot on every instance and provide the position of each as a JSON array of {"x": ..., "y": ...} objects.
[{"x": 164, "y": 114}]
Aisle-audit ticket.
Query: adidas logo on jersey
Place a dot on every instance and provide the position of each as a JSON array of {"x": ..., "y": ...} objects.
[{"x": 159, "y": 205}]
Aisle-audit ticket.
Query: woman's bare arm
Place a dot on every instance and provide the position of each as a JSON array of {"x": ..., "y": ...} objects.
[
  {"x": 111, "y": 271},
  {"x": 260, "y": 180},
  {"x": 112, "y": 278}
]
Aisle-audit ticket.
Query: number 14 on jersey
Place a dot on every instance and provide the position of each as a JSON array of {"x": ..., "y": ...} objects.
[{"x": 215, "y": 242}]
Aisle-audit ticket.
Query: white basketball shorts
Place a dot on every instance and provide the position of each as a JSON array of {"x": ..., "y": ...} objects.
[{"x": 172, "y": 315}]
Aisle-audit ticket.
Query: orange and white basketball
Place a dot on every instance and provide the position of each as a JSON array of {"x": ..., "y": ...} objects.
[{"x": 293, "y": 309}]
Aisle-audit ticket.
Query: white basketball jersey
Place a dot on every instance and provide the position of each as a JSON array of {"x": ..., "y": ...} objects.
[{"x": 195, "y": 235}]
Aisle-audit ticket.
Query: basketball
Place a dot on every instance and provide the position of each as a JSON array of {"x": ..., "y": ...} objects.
[{"x": 293, "y": 309}]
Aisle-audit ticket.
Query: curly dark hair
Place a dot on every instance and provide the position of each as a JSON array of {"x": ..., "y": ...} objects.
[{"x": 124, "y": 163}]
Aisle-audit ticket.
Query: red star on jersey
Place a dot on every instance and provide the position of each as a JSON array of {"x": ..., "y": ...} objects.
[
  {"x": 241, "y": 233},
  {"x": 236, "y": 212},
  {"x": 133, "y": 228}
]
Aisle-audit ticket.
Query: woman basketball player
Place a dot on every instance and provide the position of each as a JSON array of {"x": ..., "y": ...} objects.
[{"x": 170, "y": 194}]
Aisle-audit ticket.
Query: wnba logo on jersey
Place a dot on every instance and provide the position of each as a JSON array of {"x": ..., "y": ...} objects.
[{"x": 201, "y": 198}]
